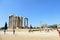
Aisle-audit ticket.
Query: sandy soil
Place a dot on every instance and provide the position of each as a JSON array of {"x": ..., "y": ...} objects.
[{"x": 30, "y": 35}]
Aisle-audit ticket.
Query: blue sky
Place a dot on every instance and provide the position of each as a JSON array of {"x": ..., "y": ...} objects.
[{"x": 46, "y": 11}]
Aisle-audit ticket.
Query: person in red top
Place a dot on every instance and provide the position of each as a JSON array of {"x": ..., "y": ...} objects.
[{"x": 58, "y": 29}]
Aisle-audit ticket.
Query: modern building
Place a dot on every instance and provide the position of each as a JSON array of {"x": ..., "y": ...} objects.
[{"x": 26, "y": 22}]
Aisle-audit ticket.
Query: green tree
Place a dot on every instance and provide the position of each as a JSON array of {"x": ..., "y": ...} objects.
[
  {"x": 52, "y": 26},
  {"x": 42, "y": 26},
  {"x": 31, "y": 27},
  {"x": 5, "y": 25},
  {"x": 5, "y": 28}
]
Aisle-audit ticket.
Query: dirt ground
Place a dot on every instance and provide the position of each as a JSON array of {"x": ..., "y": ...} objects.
[{"x": 30, "y": 36}]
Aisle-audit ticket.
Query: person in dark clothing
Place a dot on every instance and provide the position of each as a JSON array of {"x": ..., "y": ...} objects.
[{"x": 13, "y": 31}]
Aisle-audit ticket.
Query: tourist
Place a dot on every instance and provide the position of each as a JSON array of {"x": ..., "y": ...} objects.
[
  {"x": 58, "y": 31},
  {"x": 13, "y": 31}
]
